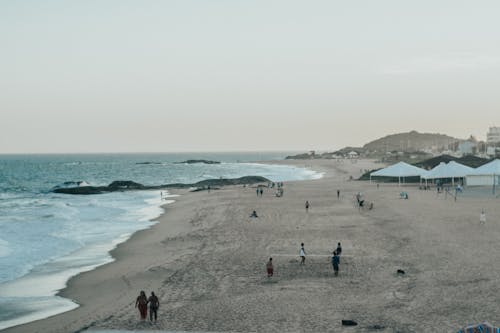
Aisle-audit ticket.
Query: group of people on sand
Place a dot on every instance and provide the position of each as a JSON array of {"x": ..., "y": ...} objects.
[
  {"x": 302, "y": 254},
  {"x": 142, "y": 303}
]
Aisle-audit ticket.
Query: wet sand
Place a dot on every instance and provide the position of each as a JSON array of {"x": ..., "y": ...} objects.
[{"x": 206, "y": 257}]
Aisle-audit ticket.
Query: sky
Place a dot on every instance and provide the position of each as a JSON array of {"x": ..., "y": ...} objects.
[{"x": 231, "y": 75}]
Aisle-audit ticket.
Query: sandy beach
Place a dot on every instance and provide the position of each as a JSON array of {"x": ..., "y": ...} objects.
[{"x": 206, "y": 258}]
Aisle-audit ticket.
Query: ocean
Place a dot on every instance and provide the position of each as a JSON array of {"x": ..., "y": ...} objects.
[{"x": 46, "y": 238}]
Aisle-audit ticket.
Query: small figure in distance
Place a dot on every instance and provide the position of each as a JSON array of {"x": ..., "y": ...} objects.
[
  {"x": 261, "y": 191},
  {"x": 307, "y": 206},
  {"x": 482, "y": 217},
  {"x": 142, "y": 303},
  {"x": 270, "y": 268},
  {"x": 339, "y": 249},
  {"x": 338, "y": 194},
  {"x": 257, "y": 191},
  {"x": 335, "y": 263},
  {"x": 154, "y": 304},
  {"x": 302, "y": 254},
  {"x": 254, "y": 214}
]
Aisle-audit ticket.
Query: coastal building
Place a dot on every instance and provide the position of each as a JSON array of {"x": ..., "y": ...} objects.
[
  {"x": 493, "y": 135},
  {"x": 467, "y": 147},
  {"x": 352, "y": 154}
]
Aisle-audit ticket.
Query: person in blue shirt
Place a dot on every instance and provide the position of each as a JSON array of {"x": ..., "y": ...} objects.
[{"x": 335, "y": 263}]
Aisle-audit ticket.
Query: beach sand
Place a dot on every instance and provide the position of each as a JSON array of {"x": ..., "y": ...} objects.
[{"x": 206, "y": 258}]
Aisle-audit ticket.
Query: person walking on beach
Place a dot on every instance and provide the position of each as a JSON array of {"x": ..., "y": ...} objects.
[
  {"x": 339, "y": 249},
  {"x": 482, "y": 217},
  {"x": 302, "y": 254},
  {"x": 154, "y": 304},
  {"x": 338, "y": 194},
  {"x": 270, "y": 268},
  {"x": 257, "y": 191},
  {"x": 261, "y": 192},
  {"x": 307, "y": 206},
  {"x": 335, "y": 263},
  {"x": 142, "y": 303}
]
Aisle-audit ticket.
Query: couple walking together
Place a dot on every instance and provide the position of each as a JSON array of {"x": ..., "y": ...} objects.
[{"x": 142, "y": 303}]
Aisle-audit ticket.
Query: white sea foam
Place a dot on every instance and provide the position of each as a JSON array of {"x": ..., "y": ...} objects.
[
  {"x": 4, "y": 248},
  {"x": 47, "y": 238},
  {"x": 32, "y": 309},
  {"x": 37, "y": 289}
]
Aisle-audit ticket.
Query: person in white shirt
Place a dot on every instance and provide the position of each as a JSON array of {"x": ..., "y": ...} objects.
[
  {"x": 302, "y": 254},
  {"x": 482, "y": 217}
]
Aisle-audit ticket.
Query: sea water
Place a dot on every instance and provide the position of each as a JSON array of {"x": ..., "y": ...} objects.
[{"x": 46, "y": 238}]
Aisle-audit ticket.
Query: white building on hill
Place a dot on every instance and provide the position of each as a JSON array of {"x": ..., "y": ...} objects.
[{"x": 493, "y": 135}]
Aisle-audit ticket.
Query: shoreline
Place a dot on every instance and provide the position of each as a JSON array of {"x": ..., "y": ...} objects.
[
  {"x": 55, "y": 280},
  {"x": 67, "y": 293},
  {"x": 205, "y": 259}
]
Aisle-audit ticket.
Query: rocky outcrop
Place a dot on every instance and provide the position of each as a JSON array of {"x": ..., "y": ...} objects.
[
  {"x": 198, "y": 161},
  {"x": 127, "y": 185}
]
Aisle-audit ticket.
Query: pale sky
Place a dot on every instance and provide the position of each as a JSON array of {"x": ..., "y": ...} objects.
[{"x": 213, "y": 75}]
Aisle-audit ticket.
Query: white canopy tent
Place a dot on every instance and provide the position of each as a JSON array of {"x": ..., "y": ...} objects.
[
  {"x": 399, "y": 170},
  {"x": 485, "y": 175},
  {"x": 451, "y": 170}
]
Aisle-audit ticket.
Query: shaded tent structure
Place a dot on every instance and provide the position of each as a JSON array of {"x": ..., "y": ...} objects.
[
  {"x": 485, "y": 175},
  {"x": 480, "y": 328},
  {"x": 400, "y": 170},
  {"x": 451, "y": 170}
]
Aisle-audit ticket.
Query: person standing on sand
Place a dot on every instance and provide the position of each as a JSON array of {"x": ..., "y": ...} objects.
[
  {"x": 142, "y": 303},
  {"x": 307, "y": 206},
  {"x": 338, "y": 194},
  {"x": 270, "y": 268},
  {"x": 302, "y": 254},
  {"x": 257, "y": 191},
  {"x": 154, "y": 304},
  {"x": 335, "y": 263},
  {"x": 339, "y": 249},
  {"x": 261, "y": 191},
  {"x": 482, "y": 217}
]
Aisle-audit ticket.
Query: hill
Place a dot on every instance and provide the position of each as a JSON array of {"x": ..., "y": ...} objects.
[
  {"x": 469, "y": 160},
  {"x": 410, "y": 141}
]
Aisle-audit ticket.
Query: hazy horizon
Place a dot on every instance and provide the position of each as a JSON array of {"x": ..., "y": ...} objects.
[{"x": 222, "y": 76}]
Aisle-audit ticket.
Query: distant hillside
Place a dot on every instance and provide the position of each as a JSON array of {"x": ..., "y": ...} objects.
[
  {"x": 410, "y": 141},
  {"x": 468, "y": 160}
]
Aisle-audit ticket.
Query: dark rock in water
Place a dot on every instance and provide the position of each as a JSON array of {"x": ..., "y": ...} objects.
[
  {"x": 400, "y": 271},
  {"x": 127, "y": 185},
  {"x": 349, "y": 323},
  {"x": 198, "y": 161},
  {"x": 232, "y": 181},
  {"x": 81, "y": 190}
]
